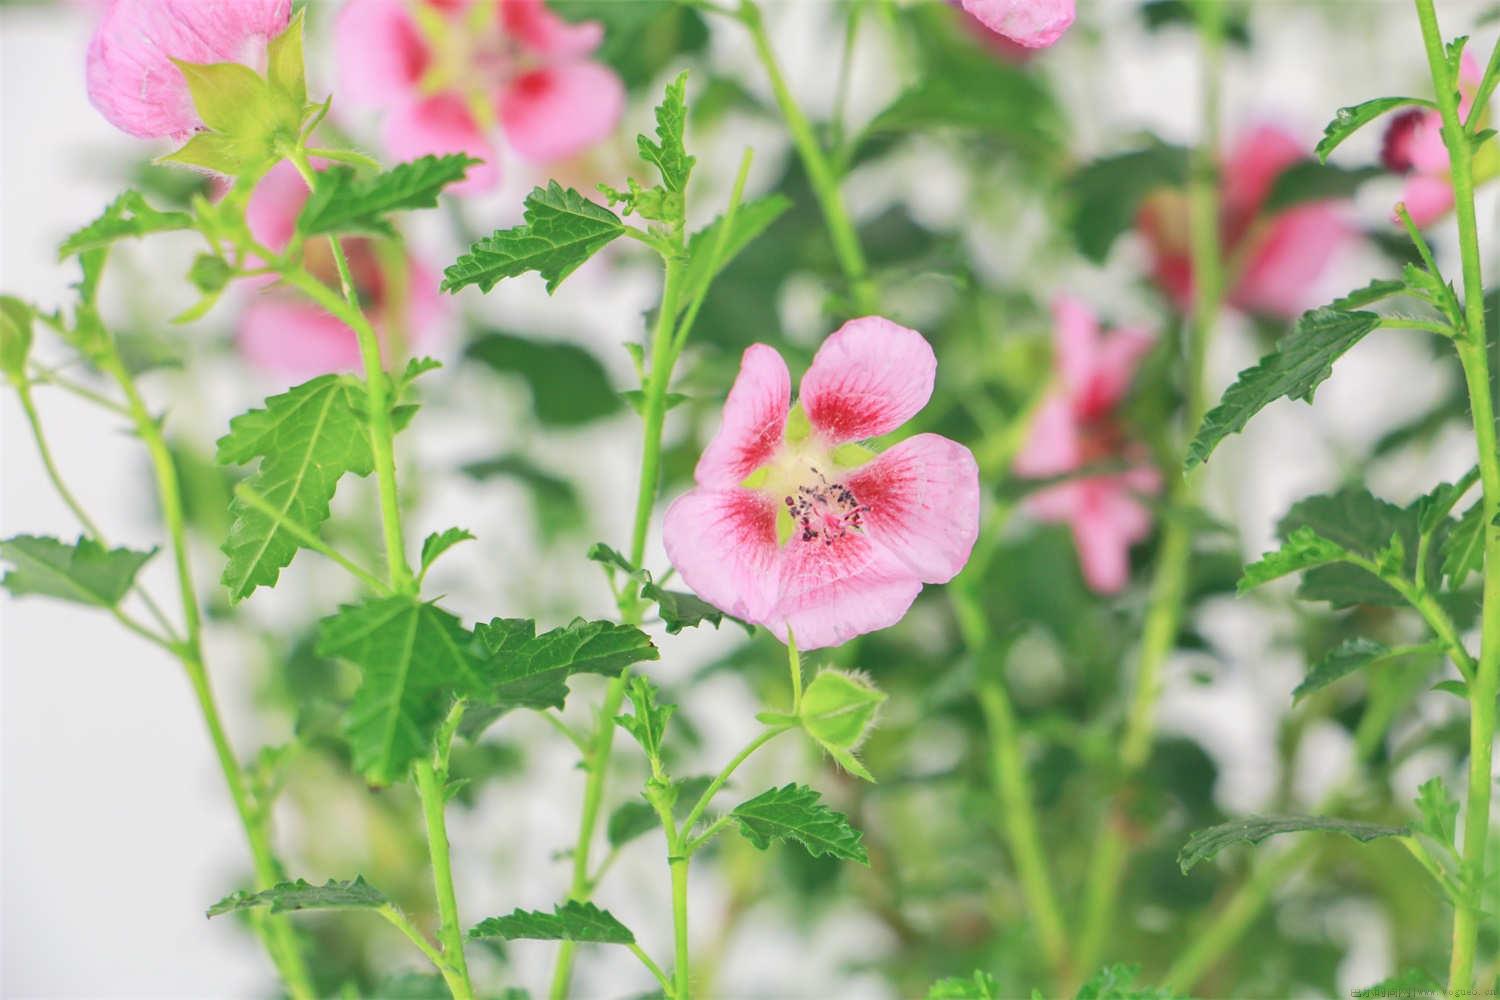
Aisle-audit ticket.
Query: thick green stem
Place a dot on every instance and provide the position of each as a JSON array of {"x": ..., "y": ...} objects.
[
  {"x": 1473, "y": 352},
  {"x": 450, "y": 933},
  {"x": 820, "y": 171},
  {"x": 277, "y": 934},
  {"x": 682, "y": 968},
  {"x": 1169, "y": 588}
]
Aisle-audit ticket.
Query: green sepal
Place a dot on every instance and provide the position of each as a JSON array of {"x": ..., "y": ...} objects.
[
  {"x": 838, "y": 710},
  {"x": 285, "y": 68},
  {"x": 798, "y": 426}
]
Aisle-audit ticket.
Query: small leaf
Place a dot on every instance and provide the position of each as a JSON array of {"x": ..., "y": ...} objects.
[
  {"x": 414, "y": 658},
  {"x": 84, "y": 572},
  {"x": 1360, "y": 523},
  {"x": 1463, "y": 548},
  {"x": 1204, "y": 844},
  {"x": 1375, "y": 291},
  {"x": 793, "y": 812},
  {"x": 1439, "y": 811},
  {"x": 303, "y": 895},
  {"x": 1117, "y": 982},
  {"x": 209, "y": 274},
  {"x": 678, "y": 610},
  {"x": 668, "y": 152},
  {"x": 980, "y": 986},
  {"x": 1347, "y": 121},
  {"x": 569, "y": 386},
  {"x": 1310, "y": 180},
  {"x": 1304, "y": 549},
  {"x": 637, "y": 400},
  {"x": 15, "y": 336},
  {"x": 570, "y": 921},
  {"x": 1355, "y": 654},
  {"x": 127, "y": 216},
  {"x": 1300, "y": 363},
  {"x": 344, "y": 201},
  {"x": 649, "y": 723},
  {"x": 750, "y": 220},
  {"x": 439, "y": 542},
  {"x": 563, "y": 229}
]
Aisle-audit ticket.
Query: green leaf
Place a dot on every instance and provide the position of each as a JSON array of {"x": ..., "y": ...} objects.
[
  {"x": 307, "y": 438},
  {"x": 1303, "y": 549},
  {"x": 345, "y": 201},
  {"x": 303, "y": 895},
  {"x": 1439, "y": 811},
  {"x": 1375, "y": 291},
  {"x": 84, "y": 572},
  {"x": 1463, "y": 548},
  {"x": 1310, "y": 180},
  {"x": 284, "y": 63},
  {"x": 15, "y": 336},
  {"x": 634, "y": 819},
  {"x": 562, "y": 230},
  {"x": 1117, "y": 982},
  {"x": 637, "y": 400},
  {"x": 1007, "y": 103},
  {"x": 1300, "y": 363},
  {"x": 678, "y": 610},
  {"x": 668, "y": 152},
  {"x": 439, "y": 542},
  {"x": 649, "y": 723},
  {"x": 1204, "y": 844},
  {"x": 1347, "y": 121},
  {"x": 1355, "y": 654},
  {"x": 1360, "y": 523},
  {"x": 793, "y": 812},
  {"x": 127, "y": 216},
  {"x": 569, "y": 386},
  {"x": 570, "y": 921},
  {"x": 980, "y": 986},
  {"x": 414, "y": 658},
  {"x": 1106, "y": 195},
  {"x": 750, "y": 220}
]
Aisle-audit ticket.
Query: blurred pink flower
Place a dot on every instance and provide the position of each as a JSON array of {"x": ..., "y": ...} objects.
[
  {"x": 449, "y": 73},
  {"x": 793, "y": 525},
  {"x": 1077, "y": 427},
  {"x": 1034, "y": 24},
  {"x": 1414, "y": 146},
  {"x": 131, "y": 79},
  {"x": 1274, "y": 262},
  {"x": 286, "y": 334}
]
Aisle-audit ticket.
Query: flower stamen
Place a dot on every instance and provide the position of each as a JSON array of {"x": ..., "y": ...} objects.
[{"x": 825, "y": 510}]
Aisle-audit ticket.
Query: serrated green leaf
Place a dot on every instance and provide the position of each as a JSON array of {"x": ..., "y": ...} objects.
[
  {"x": 1303, "y": 549},
  {"x": 569, "y": 386},
  {"x": 284, "y": 63},
  {"x": 1117, "y": 982},
  {"x": 303, "y": 895},
  {"x": 668, "y": 152},
  {"x": 562, "y": 230},
  {"x": 1299, "y": 364},
  {"x": 414, "y": 658},
  {"x": 649, "y": 723},
  {"x": 84, "y": 572},
  {"x": 1439, "y": 811},
  {"x": 1355, "y": 654},
  {"x": 439, "y": 542},
  {"x": 1463, "y": 548},
  {"x": 1357, "y": 522},
  {"x": 793, "y": 812},
  {"x": 570, "y": 921},
  {"x": 1204, "y": 844},
  {"x": 307, "y": 438},
  {"x": 980, "y": 986},
  {"x": 1312, "y": 180},
  {"x": 678, "y": 610},
  {"x": 1375, "y": 291},
  {"x": 127, "y": 216},
  {"x": 750, "y": 220},
  {"x": 1347, "y": 121},
  {"x": 346, "y": 201}
]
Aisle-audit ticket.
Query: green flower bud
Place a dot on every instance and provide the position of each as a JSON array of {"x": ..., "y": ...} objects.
[{"x": 838, "y": 710}]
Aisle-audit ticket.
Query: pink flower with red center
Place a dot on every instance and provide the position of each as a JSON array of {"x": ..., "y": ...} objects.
[
  {"x": 450, "y": 74},
  {"x": 797, "y": 526},
  {"x": 284, "y": 333},
  {"x": 131, "y": 77},
  {"x": 1076, "y": 427},
  {"x": 1034, "y": 24},
  {"x": 1274, "y": 262},
  {"x": 1414, "y": 147}
]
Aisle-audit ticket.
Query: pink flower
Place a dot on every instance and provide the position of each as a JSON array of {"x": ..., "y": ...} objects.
[
  {"x": 1076, "y": 427},
  {"x": 1035, "y": 24},
  {"x": 796, "y": 526},
  {"x": 448, "y": 73},
  {"x": 1414, "y": 146},
  {"x": 1276, "y": 260},
  {"x": 131, "y": 79},
  {"x": 284, "y": 333}
]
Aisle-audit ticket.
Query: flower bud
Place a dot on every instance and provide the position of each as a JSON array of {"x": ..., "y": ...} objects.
[{"x": 838, "y": 710}]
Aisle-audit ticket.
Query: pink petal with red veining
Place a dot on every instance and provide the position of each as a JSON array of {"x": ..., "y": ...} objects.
[
  {"x": 1281, "y": 272},
  {"x": 1032, "y": 23},
  {"x": 723, "y": 543},
  {"x": 544, "y": 33},
  {"x": 832, "y": 592},
  {"x": 381, "y": 52},
  {"x": 438, "y": 125},
  {"x": 559, "y": 111},
  {"x": 868, "y": 378},
  {"x": 922, "y": 504},
  {"x": 1052, "y": 442},
  {"x": 754, "y": 420}
]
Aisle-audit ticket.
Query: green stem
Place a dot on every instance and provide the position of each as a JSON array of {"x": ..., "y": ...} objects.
[
  {"x": 277, "y": 934},
  {"x": 794, "y": 667},
  {"x": 1473, "y": 352},
  {"x": 653, "y": 968},
  {"x": 820, "y": 171},
  {"x": 450, "y": 933},
  {"x": 682, "y": 969},
  {"x": 28, "y": 406},
  {"x": 723, "y": 776},
  {"x": 1169, "y": 588}
]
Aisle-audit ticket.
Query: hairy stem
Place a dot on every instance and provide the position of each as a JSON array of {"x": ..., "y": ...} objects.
[
  {"x": 682, "y": 967},
  {"x": 1473, "y": 352},
  {"x": 450, "y": 933}
]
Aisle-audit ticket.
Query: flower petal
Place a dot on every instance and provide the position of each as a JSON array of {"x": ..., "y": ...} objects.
[
  {"x": 553, "y": 113},
  {"x": 438, "y": 125},
  {"x": 1032, "y": 23},
  {"x": 295, "y": 338},
  {"x": 1075, "y": 342},
  {"x": 870, "y": 377},
  {"x": 723, "y": 543},
  {"x": 1427, "y": 199},
  {"x": 1052, "y": 443},
  {"x": 834, "y": 591},
  {"x": 131, "y": 79},
  {"x": 544, "y": 33},
  {"x": 381, "y": 52},
  {"x": 1288, "y": 259},
  {"x": 1108, "y": 522},
  {"x": 923, "y": 504},
  {"x": 274, "y": 205},
  {"x": 754, "y": 420}
]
